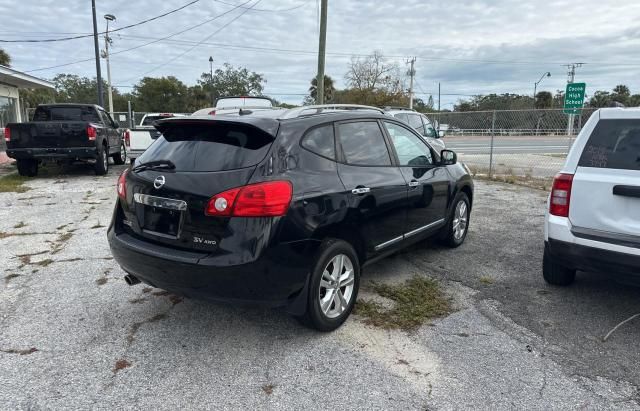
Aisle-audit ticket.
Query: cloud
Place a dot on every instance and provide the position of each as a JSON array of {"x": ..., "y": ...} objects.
[{"x": 470, "y": 47}]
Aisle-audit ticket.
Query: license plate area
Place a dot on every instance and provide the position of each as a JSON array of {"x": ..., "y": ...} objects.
[{"x": 160, "y": 216}]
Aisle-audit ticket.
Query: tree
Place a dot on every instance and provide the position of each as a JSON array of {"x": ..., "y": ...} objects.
[
  {"x": 373, "y": 81},
  {"x": 329, "y": 89},
  {"x": 544, "y": 99},
  {"x": 232, "y": 81},
  {"x": 161, "y": 94},
  {"x": 600, "y": 99},
  {"x": 507, "y": 101},
  {"x": 5, "y": 58}
]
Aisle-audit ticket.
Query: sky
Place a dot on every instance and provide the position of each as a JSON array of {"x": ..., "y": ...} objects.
[{"x": 469, "y": 47}]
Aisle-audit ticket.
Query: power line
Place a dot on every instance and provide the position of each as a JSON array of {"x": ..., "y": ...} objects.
[
  {"x": 199, "y": 43},
  {"x": 141, "y": 45},
  {"x": 112, "y": 31},
  {"x": 279, "y": 10}
]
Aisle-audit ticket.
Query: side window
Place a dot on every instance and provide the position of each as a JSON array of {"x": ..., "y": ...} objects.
[
  {"x": 320, "y": 140},
  {"x": 429, "y": 131},
  {"x": 402, "y": 117},
  {"x": 363, "y": 144},
  {"x": 107, "y": 119},
  {"x": 411, "y": 150},
  {"x": 613, "y": 144},
  {"x": 416, "y": 122}
]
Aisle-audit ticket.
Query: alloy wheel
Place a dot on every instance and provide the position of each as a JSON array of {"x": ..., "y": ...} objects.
[
  {"x": 460, "y": 219},
  {"x": 336, "y": 286}
]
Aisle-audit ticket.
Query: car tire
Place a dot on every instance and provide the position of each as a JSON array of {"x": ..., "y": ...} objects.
[
  {"x": 27, "y": 167},
  {"x": 102, "y": 161},
  {"x": 334, "y": 261},
  {"x": 454, "y": 233},
  {"x": 120, "y": 157},
  {"x": 554, "y": 273}
]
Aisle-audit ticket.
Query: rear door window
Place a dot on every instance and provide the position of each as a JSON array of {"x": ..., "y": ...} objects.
[
  {"x": 209, "y": 147},
  {"x": 363, "y": 144},
  {"x": 613, "y": 144},
  {"x": 320, "y": 140},
  {"x": 411, "y": 150},
  {"x": 416, "y": 122}
]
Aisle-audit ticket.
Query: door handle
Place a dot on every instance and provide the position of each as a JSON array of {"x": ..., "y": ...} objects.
[
  {"x": 360, "y": 190},
  {"x": 627, "y": 191},
  {"x": 414, "y": 183}
]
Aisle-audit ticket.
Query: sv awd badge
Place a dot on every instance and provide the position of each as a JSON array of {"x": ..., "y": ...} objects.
[{"x": 200, "y": 240}]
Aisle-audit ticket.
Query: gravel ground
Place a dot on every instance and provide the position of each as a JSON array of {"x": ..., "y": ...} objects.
[{"x": 73, "y": 335}]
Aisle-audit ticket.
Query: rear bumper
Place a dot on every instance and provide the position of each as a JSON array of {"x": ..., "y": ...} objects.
[
  {"x": 277, "y": 278},
  {"x": 585, "y": 258},
  {"x": 52, "y": 153},
  {"x": 134, "y": 153}
]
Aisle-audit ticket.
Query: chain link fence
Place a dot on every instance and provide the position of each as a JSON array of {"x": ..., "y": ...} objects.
[{"x": 515, "y": 144}]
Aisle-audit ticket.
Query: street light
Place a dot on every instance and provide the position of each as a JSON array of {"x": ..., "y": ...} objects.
[
  {"x": 213, "y": 103},
  {"x": 535, "y": 86},
  {"x": 107, "y": 41}
]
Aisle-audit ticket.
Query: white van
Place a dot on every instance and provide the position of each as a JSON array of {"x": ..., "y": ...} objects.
[{"x": 593, "y": 216}]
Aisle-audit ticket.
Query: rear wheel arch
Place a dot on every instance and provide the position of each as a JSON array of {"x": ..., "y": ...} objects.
[{"x": 348, "y": 233}]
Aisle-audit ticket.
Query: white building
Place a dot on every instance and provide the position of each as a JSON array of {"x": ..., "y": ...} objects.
[{"x": 11, "y": 81}]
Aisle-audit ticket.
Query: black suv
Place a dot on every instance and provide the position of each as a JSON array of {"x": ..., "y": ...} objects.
[{"x": 283, "y": 208}]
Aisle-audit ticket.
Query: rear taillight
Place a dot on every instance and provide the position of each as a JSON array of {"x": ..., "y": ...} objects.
[
  {"x": 127, "y": 138},
  {"x": 212, "y": 113},
  {"x": 561, "y": 195},
  {"x": 7, "y": 134},
  {"x": 92, "y": 132},
  {"x": 121, "y": 188},
  {"x": 268, "y": 199}
]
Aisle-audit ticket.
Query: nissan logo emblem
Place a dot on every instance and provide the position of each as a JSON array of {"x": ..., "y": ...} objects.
[{"x": 159, "y": 182}]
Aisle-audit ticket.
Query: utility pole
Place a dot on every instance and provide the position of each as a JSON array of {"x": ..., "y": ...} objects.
[
  {"x": 213, "y": 98},
  {"x": 321, "y": 52},
  {"x": 438, "y": 96},
  {"x": 412, "y": 74},
  {"x": 107, "y": 41},
  {"x": 571, "y": 75},
  {"x": 97, "y": 52}
]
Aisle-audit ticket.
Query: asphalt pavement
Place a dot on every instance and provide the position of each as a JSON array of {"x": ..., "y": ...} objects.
[{"x": 74, "y": 335}]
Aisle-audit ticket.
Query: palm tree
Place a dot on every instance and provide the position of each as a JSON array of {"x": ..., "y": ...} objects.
[
  {"x": 5, "y": 59},
  {"x": 329, "y": 89}
]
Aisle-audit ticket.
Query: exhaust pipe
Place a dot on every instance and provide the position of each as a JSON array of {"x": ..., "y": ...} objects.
[{"x": 131, "y": 280}]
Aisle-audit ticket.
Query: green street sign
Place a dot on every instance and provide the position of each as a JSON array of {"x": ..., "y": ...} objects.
[{"x": 574, "y": 98}]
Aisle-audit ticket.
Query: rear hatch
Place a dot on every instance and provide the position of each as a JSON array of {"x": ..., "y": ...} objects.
[
  {"x": 196, "y": 159},
  {"x": 55, "y": 127},
  {"x": 605, "y": 195}
]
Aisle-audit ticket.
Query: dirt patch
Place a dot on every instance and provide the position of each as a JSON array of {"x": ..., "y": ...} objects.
[
  {"x": 121, "y": 365},
  {"x": 13, "y": 183},
  {"x": 136, "y": 326},
  {"x": 268, "y": 388},
  {"x": 61, "y": 242},
  {"x": 414, "y": 302},
  {"x": 102, "y": 281}
]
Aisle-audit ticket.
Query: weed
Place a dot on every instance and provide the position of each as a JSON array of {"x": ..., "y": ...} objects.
[
  {"x": 121, "y": 365},
  {"x": 20, "y": 225},
  {"x": 20, "y": 352},
  {"x": 485, "y": 279},
  {"x": 268, "y": 388},
  {"x": 13, "y": 183},
  {"x": 10, "y": 277},
  {"x": 98, "y": 225},
  {"x": 417, "y": 300},
  {"x": 44, "y": 263}
]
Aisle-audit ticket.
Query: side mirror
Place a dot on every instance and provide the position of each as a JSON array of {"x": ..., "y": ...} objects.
[
  {"x": 448, "y": 158},
  {"x": 431, "y": 132},
  {"x": 440, "y": 133},
  {"x": 116, "y": 124}
]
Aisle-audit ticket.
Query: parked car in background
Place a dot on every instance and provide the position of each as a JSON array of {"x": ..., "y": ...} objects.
[
  {"x": 283, "y": 208},
  {"x": 141, "y": 136},
  {"x": 231, "y": 105},
  {"x": 66, "y": 133},
  {"x": 593, "y": 219},
  {"x": 420, "y": 123}
]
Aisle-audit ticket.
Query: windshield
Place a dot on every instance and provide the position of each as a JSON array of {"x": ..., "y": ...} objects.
[
  {"x": 243, "y": 102},
  {"x": 209, "y": 147}
]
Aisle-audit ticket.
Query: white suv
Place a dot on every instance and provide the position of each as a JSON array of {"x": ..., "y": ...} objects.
[
  {"x": 593, "y": 216},
  {"x": 420, "y": 123}
]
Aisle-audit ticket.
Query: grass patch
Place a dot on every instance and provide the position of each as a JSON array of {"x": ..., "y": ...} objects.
[
  {"x": 21, "y": 224},
  {"x": 485, "y": 279},
  {"x": 416, "y": 301},
  {"x": 13, "y": 183}
]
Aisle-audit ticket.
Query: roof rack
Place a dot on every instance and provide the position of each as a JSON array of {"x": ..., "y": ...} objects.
[
  {"x": 323, "y": 108},
  {"x": 398, "y": 108}
]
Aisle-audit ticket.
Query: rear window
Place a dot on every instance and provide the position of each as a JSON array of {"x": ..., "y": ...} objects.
[
  {"x": 66, "y": 114},
  {"x": 613, "y": 144},
  {"x": 149, "y": 120},
  {"x": 209, "y": 147},
  {"x": 243, "y": 102}
]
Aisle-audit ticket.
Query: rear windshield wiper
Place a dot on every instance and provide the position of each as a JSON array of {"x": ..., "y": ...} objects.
[{"x": 155, "y": 165}]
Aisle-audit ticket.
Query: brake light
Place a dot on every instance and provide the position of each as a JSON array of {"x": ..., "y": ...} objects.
[
  {"x": 127, "y": 138},
  {"x": 561, "y": 195},
  {"x": 268, "y": 199},
  {"x": 7, "y": 134},
  {"x": 166, "y": 115},
  {"x": 121, "y": 188},
  {"x": 91, "y": 132},
  {"x": 212, "y": 113}
]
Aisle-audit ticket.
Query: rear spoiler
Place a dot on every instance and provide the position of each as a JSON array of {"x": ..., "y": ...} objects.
[{"x": 266, "y": 125}]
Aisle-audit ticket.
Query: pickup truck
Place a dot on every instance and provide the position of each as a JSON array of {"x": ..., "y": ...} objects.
[
  {"x": 141, "y": 136},
  {"x": 65, "y": 133},
  {"x": 231, "y": 105}
]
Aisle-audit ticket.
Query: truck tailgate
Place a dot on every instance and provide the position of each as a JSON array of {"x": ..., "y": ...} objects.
[
  {"x": 141, "y": 138},
  {"x": 49, "y": 134}
]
